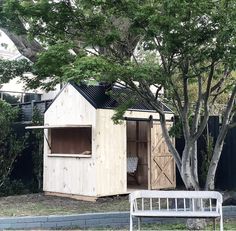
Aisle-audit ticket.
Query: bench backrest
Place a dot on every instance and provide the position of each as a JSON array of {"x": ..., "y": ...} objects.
[{"x": 176, "y": 200}]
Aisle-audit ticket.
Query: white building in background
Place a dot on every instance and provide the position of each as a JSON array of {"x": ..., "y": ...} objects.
[{"x": 16, "y": 87}]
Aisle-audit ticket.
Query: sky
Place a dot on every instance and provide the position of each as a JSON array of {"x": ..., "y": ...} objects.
[{"x": 5, "y": 40}]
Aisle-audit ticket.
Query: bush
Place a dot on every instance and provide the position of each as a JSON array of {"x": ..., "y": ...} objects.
[
  {"x": 12, "y": 187},
  {"x": 10, "y": 145}
]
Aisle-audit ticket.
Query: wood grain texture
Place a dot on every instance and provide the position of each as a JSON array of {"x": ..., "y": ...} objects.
[
  {"x": 70, "y": 175},
  {"x": 162, "y": 163},
  {"x": 72, "y": 196},
  {"x": 111, "y": 148},
  {"x": 105, "y": 172}
]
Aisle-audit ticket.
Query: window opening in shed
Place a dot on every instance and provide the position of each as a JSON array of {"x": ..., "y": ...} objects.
[
  {"x": 71, "y": 140},
  {"x": 137, "y": 154}
]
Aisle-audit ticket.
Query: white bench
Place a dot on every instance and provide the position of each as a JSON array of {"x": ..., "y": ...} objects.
[{"x": 178, "y": 204}]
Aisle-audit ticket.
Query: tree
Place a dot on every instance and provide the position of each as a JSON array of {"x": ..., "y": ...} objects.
[
  {"x": 192, "y": 44},
  {"x": 14, "y": 27},
  {"x": 10, "y": 145}
]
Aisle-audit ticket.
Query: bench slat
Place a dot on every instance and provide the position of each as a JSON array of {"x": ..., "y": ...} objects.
[
  {"x": 157, "y": 213},
  {"x": 176, "y": 194}
]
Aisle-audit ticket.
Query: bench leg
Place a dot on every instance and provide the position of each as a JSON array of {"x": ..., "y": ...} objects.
[
  {"x": 214, "y": 224},
  {"x": 139, "y": 221},
  {"x": 221, "y": 223},
  {"x": 131, "y": 223}
]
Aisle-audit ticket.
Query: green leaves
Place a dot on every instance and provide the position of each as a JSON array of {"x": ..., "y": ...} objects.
[
  {"x": 10, "y": 145},
  {"x": 102, "y": 69},
  {"x": 99, "y": 39},
  {"x": 11, "y": 69},
  {"x": 50, "y": 63}
]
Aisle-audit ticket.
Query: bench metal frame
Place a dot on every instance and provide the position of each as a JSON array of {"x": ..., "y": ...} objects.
[{"x": 178, "y": 204}]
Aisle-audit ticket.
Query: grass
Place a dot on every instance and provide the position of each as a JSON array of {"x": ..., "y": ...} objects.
[
  {"x": 39, "y": 204},
  {"x": 229, "y": 224}
]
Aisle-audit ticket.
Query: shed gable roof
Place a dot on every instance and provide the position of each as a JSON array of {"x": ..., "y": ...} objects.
[{"x": 99, "y": 97}]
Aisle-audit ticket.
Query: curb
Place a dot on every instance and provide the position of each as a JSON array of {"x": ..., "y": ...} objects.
[{"x": 85, "y": 221}]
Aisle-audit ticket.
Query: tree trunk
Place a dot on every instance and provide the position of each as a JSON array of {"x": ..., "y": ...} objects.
[
  {"x": 169, "y": 143},
  {"x": 210, "y": 180},
  {"x": 188, "y": 171},
  {"x": 28, "y": 48},
  {"x": 194, "y": 163}
]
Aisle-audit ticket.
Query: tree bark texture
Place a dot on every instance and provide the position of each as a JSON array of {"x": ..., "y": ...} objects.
[{"x": 28, "y": 48}]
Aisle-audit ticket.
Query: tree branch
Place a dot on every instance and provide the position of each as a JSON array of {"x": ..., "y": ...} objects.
[
  {"x": 157, "y": 90},
  {"x": 177, "y": 96},
  {"x": 169, "y": 142},
  {"x": 27, "y": 48},
  {"x": 198, "y": 107},
  {"x": 206, "y": 102},
  {"x": 185, "y": 113}
]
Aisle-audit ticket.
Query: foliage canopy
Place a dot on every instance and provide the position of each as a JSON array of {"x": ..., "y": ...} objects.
[{"x": 179, "y": 45}]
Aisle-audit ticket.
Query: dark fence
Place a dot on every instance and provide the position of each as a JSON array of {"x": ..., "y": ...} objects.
[
  {"x": 226, "y": 171},
  {"x": 24, "y": 166},
  {"x": 26, "y": 109}
]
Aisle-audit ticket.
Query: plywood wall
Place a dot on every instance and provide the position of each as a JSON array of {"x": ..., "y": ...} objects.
[
  {"x": 111, "y": 167},
  {"x": 70, "y": 175},
  {"x": 105, "y": 172},
  {"x": 111, "y": 151}
]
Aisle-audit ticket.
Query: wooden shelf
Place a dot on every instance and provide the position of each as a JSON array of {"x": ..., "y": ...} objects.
[
  {"x": 138, "y": 141},
  {"x": 69, "y": 155}
]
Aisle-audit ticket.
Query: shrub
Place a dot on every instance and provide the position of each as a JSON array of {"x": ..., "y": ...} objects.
[{"x": 10, "y": 145}]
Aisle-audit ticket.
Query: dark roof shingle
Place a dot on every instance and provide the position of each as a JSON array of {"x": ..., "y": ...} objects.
[{"x": 100, "y": 97}]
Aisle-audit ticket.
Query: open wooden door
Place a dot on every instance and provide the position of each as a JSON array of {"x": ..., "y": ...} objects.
[{"x": 162, "y": 165}]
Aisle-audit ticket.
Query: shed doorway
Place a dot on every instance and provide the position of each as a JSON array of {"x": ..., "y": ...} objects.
[
  {"x": 150, "y": 165},
  {"x": 138, "y": 133}
]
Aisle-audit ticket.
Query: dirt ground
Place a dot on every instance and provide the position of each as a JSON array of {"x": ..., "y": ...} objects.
[{"x": 39, "y": 204}]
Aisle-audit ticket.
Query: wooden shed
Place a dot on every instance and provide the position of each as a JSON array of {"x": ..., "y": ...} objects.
[{"x": 87, "y": 156}]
